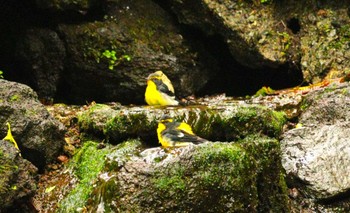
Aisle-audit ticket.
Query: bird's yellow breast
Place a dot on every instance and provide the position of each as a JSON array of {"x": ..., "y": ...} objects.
[
  {"x": 153, "y": 97},
  {"x": 160, "y": 129}
]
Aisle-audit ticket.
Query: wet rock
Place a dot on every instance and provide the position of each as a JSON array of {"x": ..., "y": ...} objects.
[
  {"x": 225, "y": 123},
  {"x": 317, "y": 153},
  {"x": 218, "y": 177},
  {"x": 39, "y": 136},
  {"x": 17, "y": 178},
  {"x": 83, "y": 169}
]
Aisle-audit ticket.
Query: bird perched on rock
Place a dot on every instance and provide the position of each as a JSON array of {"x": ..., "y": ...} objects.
[
  {"x": 176, "y": 134},
  {"x": 160, "y": 91},
  {"x": 9, "y": 137}
]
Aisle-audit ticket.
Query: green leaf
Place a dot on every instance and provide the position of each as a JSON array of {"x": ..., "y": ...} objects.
[
  {"x": 127, "y": 57},
  {"x": 106, "y": 54}
]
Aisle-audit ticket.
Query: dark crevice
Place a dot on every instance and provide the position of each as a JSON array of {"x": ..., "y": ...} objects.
[
  {"x": 335, "y": 200},
  {"x": 17, "y": 17},
  {"x": 237, "y": 80},
  {"x": 231, "y": 77},
  {"x": 294, "y": 25}
]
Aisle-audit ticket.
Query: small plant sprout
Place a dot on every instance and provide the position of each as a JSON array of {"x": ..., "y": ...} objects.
[{"x": 113, "y": 60}]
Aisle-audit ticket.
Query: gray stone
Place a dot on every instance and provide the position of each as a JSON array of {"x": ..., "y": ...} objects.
[
  {"x": 43, "y": 53},
  {"x": 39, "y": 136},
  {"x": 318, "y": 153},
  {"x": 260, "y": 35},
  {"x": 17, "y": 176}
]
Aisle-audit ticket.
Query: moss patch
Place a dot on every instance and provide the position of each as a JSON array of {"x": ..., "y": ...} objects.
[
  {"x": 217, "y": 173},
  {"x": 95, "y": 117},
  {"x": 86, "y": 163},
  {"x": 129, "y": 125},
  {"x": 107, "y": 190},
  {"x": 266, "y": 151},
  {"x": 229, "y": 124},
  {"x": 253, "y": 120}
]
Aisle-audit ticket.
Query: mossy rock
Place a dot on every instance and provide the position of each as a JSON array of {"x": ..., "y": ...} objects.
[
  {"x": 213, "y": 177},
  {"x": 17, "y": 178},
  {"x": 94, "y": 119},
  {"x": 86, "y": 166},
  {"x": 216, "y": 124}
]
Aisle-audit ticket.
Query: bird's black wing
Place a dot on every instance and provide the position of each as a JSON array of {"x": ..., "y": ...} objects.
[
  {"x": 181, "y": 136},
  {"x": 163, "y": 87}
]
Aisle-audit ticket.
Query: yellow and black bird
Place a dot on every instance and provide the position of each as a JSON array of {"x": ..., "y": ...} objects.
[
  {"x": 160, "y": 91},
  {"x": 176, "y": 134},
  {"x": 9, "y": 137}
]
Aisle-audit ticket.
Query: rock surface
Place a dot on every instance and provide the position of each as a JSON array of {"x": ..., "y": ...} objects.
[
  {"x": 17, "y": 177},
  {"x": 39, "y": 136},
  {"x": 318, "y": 153},
  {"x": 142, "y": 43},
  {"x": 78, "y": 6},
  {"x": 42, "y": 52},
  {"x": 78, "y": 51},
  {"x": 217, "y": 177},
  {"x": 312, "y": 35},
  {"x": 225, "y": 123}
]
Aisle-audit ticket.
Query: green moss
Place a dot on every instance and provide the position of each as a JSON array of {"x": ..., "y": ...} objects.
[
  {"x": 130, "y": 125},
  {"x": 215, "y": 173},
  {"x": 205, "y": 123},
  {"x": 304, "y": 104},
  {"x": 277, "y": 120},
  {"x": 86, "y": 164},
  {"x": 264, "y": 91},
  {"x": 219, "y": 154},
  {"x": 95, "y": 117},
  {"x": 286, "y": 41},
  {"x": 252, "y": 120},
  {"x": 173, "y": 183},
  {"x": 14, "y": 98},
  {"x": 107, "y": 190},
  {"x": 266, "y": 151}
]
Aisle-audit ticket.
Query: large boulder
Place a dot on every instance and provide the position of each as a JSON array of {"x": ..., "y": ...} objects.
[
  {"x": 217, "y": 123},
  {"x": 109, "y": 59},
  {"x": 104, "y": 55},
  {"x": 260, "y": 34},
  {"x": 317, "y": 154},
  {"x": 17, "y": 177},
  {"x": 39, "y": 136},
  {"x": 43, "y": 53},
  {"x": 216, "y": 177}
]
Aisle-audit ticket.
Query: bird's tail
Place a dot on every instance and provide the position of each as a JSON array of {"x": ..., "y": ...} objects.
[
  {"x": 199, "y": 140},
  {"x": 187, "y": 102}
]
